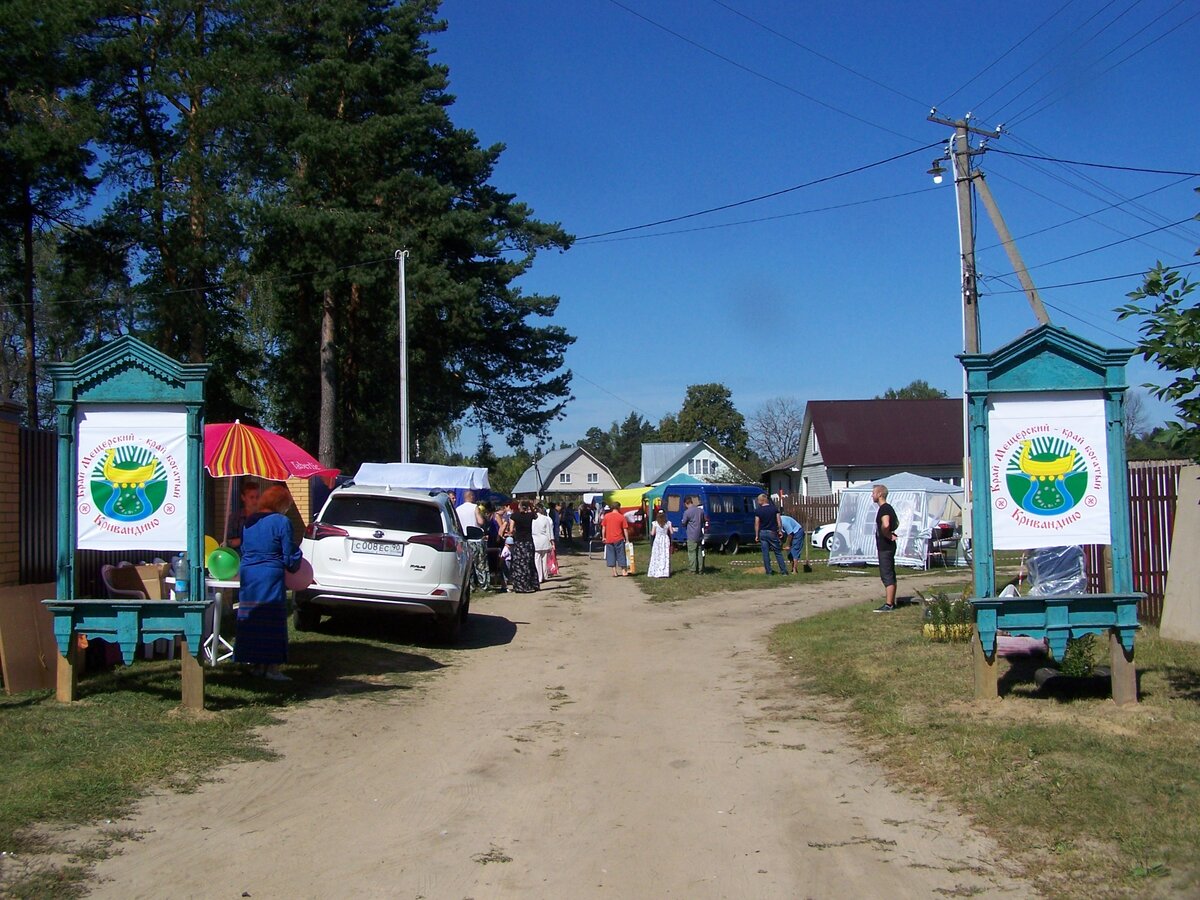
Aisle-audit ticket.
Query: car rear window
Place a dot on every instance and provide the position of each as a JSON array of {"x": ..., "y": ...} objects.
[{"x": 391, "y": 513}]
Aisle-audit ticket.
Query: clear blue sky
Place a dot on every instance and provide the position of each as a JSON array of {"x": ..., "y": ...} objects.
[{"x": 847, "y": 288}]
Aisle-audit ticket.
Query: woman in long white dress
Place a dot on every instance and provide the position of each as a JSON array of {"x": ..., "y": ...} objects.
[{"x": 660, "y": 550}]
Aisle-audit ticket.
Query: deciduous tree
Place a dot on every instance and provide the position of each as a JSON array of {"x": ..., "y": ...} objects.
[
  {"x": 914, "y": 390},
  {"x": 774, "y": 429}
]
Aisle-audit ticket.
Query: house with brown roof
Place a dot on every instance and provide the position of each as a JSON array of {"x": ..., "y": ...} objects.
[{"x": 851, "y": 442}]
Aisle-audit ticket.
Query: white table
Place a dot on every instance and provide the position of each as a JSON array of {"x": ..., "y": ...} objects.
[{"x": 216, "y": 648}]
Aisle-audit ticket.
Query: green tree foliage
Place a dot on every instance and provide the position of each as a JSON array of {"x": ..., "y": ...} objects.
[
  {"x": 620, "y": 447},
  {"x": 172, "y": 93},
  {"x": 915, "y": 390},
  {"x": 45, "y": 160},
  {"x": 504, "y": 473},
  {"x": 362, "y": 159},
  {"x": 708, "y": 414},
  {"x": 263, "y": 160},
  {"x": 1170, "y": 328}
]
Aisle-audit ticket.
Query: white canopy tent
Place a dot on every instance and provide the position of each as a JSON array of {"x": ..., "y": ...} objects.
[
  {"x": 423, "y": 476},
  {"x": 921, "y": 504}
]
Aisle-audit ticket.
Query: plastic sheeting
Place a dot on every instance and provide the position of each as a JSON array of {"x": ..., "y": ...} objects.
[
  {"x": 920, "y": 504},
  {"x": 423, "y": 476}
]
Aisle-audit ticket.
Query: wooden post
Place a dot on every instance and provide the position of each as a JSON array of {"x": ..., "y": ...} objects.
[
  {"x": 192, "y": 674},
  {"x": 1124, "y": 672},
  {"x": 67, "y": 675},
  {"x": 987, "y": 678}
]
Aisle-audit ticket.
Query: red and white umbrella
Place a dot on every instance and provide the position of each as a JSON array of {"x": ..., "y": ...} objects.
[{"x": 232, "y": 449}]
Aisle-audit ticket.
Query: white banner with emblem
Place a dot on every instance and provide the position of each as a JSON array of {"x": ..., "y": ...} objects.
[
  {"x": 1048, "y": 471},
  {"x": 130, "y": 490}
]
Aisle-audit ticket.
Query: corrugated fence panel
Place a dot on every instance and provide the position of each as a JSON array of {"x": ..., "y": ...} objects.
[{"x": 38, "y": 506}]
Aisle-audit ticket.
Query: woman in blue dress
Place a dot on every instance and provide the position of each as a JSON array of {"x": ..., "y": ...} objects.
[{"x": 268, "y": 550}]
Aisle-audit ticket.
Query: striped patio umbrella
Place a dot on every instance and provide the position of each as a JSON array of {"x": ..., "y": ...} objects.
[{"x": 235, "y": 449}]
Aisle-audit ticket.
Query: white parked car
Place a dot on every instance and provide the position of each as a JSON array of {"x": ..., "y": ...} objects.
[
  {"x": 387, "y": 549},
  {"x": 821, "y": 536}
]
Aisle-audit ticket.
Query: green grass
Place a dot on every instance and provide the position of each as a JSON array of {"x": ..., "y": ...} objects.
[
  {"x": 1092, "y": 799},
  {"x": 70, "y": 764},
  {"x": 742, "y": 571}
]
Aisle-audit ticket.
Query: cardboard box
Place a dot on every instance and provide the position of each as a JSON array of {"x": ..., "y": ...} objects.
[{"x": 153, "y": 576}]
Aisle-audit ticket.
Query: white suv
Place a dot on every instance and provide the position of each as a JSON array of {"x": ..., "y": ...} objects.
[{"x": 387, "y": 548}]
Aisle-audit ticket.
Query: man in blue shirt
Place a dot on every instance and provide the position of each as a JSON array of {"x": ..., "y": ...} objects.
[{"x": 793, "y": 533}]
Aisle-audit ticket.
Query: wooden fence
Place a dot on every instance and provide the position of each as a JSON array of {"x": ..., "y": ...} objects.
[
  {"x": 1153, "y": 491},
  {"x": 812, "y": 512}
]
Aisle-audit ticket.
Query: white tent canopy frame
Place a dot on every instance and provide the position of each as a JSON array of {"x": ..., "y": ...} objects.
[
  {"x": 920, "y": 504},
  {"x": 422, "y": 476}
]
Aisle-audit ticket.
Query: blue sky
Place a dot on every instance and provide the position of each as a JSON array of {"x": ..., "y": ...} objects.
[{"x": 617, "y": 114}]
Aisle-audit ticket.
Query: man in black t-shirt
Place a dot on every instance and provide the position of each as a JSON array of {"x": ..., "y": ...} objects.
[
  {"x": 768, "y": 530},
  {"x": 885, "y": 543}
]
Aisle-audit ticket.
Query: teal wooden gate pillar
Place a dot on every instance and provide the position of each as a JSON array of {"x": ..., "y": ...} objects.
[
  {"x": 1041, "y": 368},
  {"x": 127, "y": 375}
]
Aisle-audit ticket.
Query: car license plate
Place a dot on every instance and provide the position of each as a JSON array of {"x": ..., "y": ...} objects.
[{"x": 379, "y": 548}]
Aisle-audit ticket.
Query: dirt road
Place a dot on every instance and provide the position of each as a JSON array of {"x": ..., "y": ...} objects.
[{"x": 595, "y": 746}]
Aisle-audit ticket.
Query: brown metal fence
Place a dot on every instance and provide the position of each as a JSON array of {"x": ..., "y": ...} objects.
[
  {"x": 1153, "y": 491},
  {"x": 37, "y": 506}
]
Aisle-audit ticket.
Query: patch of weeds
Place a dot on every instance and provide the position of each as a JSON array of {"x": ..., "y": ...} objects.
[{"x": 493, "y": 855}]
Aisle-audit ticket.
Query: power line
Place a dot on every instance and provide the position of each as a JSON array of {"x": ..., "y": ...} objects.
[
  {"x": 972, "y": 79},
  {"x": 1067, "y": 284},
  {"x": 820, "y": 55},
  {"x": 1080, "y": 216},
  {"x": 803, "y": 212},
  {"x": 779, "y": 193},
  {"x": 1104, "y": 246},
  {"x": 1075, "y": 162},
  {"x": 1066, "y": 311},
  {"x": 757, "y": 74},
  {"x": 1051, "y": 99},
  {"x": 1075, "y": 48}
]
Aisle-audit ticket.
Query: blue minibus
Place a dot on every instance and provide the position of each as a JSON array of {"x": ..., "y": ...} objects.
[{"x": 728, "y": 507}]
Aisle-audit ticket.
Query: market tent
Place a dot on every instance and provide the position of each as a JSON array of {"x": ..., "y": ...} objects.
[
  {"x": 655, "y": 493},
  {"x": 626, "y": 498},
  {"x": 920, "y": 504},
  {"x": 423, "y": 476}
]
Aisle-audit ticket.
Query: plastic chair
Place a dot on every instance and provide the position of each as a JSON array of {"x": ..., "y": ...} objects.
[{"x": 122, "y": 582}]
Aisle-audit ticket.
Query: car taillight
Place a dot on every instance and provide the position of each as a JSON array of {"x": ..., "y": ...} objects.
[
  {"x": 318, "y": 530},
  {"x": 446, "y": 543}
]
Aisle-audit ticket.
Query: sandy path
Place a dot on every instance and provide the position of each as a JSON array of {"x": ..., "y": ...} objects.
[{"x": 612, "y": 748}]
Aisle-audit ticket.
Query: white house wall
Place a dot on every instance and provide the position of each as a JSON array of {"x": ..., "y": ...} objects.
[{"x": 577, "y": 472}]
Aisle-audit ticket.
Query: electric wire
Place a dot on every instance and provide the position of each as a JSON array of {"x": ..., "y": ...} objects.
[
  {"x": 761, "y": 75},
  {"x": 1108, "y": 246},
  {"x": 1079, "y": 316},
  {"x": 1063, "y": 58},
  {"x": 998, "y": 59},
  {"x": 779, "y": 193},
  {"x": 1115, "y": 205},
  {"x": 802, "y": 212},
  {"x": 1069, "y": 179},
  {"x": 1075, "y": 162},
  {"x": 820, "y": 55},
  {"x": 1181, "y": 235},
  {"x": 1051, "y": 100},
  {"x": 1069, "y": 284}
]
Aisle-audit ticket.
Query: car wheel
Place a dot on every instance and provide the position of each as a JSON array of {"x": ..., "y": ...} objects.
[
  {"x": 732, "y": 545},
  {"x": 306, "y": 618},
  {"x": 828, "y": 540},
  {"x": 835, "y": 543}
]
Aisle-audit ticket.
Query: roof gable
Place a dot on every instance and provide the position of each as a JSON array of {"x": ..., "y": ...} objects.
[{"x": 892, "y": 433}]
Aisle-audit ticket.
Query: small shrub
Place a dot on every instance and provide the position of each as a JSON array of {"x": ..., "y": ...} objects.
[
  {"x": 1078, "y": 661},
  {"x": 947, "y": 619}
]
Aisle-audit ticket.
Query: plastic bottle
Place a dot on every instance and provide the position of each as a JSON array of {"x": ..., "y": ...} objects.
[{"x": 181, "y": 573}]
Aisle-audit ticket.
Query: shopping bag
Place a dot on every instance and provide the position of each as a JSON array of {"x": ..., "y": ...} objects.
[
  {"x": 552, "y": 562},
  {"x": 629, "y": 555}
]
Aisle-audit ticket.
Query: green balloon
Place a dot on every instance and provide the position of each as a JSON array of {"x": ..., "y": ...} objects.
[{"x": 223, "y": 563}]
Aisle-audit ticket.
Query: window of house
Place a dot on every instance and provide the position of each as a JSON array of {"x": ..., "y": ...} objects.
[
  {"x": 564, "y": 478},
  {"x": 593, "y": 477}
]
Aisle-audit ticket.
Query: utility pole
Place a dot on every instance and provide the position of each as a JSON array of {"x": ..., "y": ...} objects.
[
  {"x": 961, "y": 153},
  {"x": 401, "y": 256}
]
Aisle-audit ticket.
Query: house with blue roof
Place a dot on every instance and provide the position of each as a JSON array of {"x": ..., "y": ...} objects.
[{"x": 663, "y": 461}]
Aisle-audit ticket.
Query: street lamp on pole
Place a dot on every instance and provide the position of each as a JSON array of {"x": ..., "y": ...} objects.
[{"x": 402, "y": 322}]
